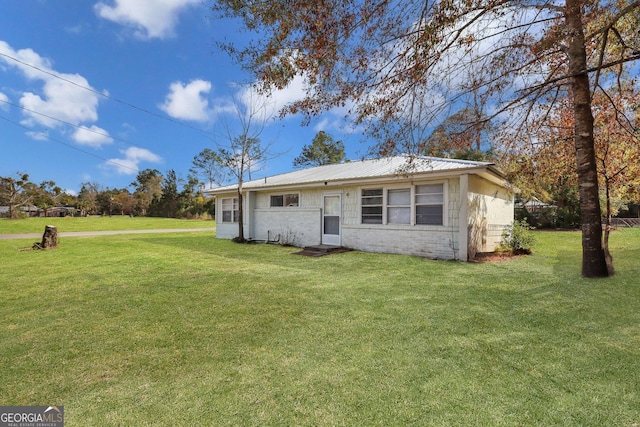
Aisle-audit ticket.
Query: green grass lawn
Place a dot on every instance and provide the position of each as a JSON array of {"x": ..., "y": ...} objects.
[
  {"x": 183, "y": 329},
  {"x": 116, "y": 222}
]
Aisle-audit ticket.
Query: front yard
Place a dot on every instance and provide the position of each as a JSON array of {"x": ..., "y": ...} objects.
[{"x": 183, "y": 329}]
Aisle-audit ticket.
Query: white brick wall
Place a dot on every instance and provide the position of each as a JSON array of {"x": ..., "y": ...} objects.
[
  {"x": 226, "y": 230},
  {"x": 292, "y": 226},
  {"x": 489, "y": 205},
  {"x": 430, "y": 242}
]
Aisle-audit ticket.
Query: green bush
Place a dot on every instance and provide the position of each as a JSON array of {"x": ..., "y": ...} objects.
[{"x": 517, "y": 238}]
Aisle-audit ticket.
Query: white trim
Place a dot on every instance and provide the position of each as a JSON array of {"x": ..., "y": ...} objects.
[
  {"x": 463, "y": 233},
  {"x": 332, "y": 239},
  {"x": 411, "y": 185},
  {"x": 234, "y": 208},
  {"x": 283, "y": 194}
]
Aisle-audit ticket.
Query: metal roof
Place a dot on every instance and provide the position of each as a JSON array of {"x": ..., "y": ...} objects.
[{"x": 390, "y": 167}]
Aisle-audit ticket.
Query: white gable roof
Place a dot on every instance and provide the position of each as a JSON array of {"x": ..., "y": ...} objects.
[{"x": 385, "y": 168}]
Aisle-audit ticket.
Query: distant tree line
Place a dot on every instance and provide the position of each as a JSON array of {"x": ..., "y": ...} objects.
[
  {"x": 157, "y": 195},
  {"x": 152, "y": 194}
]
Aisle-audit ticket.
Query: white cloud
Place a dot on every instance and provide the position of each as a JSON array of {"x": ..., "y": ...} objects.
[
  {"x": 133, "y": 156},
  {"x": 336, "y": 121},
  {"x": 149, "y": 18},
  {"x": 25, "y": 56},
  {"x": 188, "y": 102},
  {"x": 63, "y": 96},
  {"x": 3, "y": 100},
  {"x": 191, "y": 102},
  {"x": 63, "y": 101},
  {"x": 38, "y": 136},
  {"x": 76, "y": 29},
  {"x": 278, "y": 98},
  {"x": 92, "y": 136}
]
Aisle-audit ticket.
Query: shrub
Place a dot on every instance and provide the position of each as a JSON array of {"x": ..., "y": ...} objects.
[{"x": 517, "y": 238}]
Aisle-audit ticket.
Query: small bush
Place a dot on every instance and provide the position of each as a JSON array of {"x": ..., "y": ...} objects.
[{"x": 517, "y": 238}]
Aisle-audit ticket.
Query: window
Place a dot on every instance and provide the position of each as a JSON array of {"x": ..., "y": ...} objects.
[
  {"x": 429, "y": 204},
  {"x": 288, "y": 200},
  {"x": 399, "y": 206},
  {"x": 418, "y": 205},
  {"x": 229, "y": 209},
  {"x": 372, "y": 206}
]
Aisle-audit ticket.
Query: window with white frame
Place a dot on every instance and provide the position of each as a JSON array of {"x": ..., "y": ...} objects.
[
  {"x": 399, "y": 206},
  {"x": 422, "y": 204},
  {"x": 229, "y": 207},
  {"x": 284, "y": 200},
  {"x": 372, "y": 205},
  {"x": 429, "y": 200}
]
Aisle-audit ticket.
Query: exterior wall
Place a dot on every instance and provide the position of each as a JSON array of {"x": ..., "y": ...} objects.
[
  {"x": 491, "y": 209},
  {"x": 297, "y": 226},
  {"x": 409, "y": 240},
  {"x": 227, "y": 230},
  {"x": 288, "y": 226}
]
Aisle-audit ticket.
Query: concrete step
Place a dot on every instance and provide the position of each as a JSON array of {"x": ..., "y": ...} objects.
[{"x": 321, "y": 250}]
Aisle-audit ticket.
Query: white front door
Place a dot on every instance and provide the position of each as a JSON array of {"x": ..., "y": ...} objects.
[{"x": 331, "y": 212}]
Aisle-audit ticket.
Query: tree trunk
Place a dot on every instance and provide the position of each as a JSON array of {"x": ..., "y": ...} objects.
[
  {"x": 241, "y": 238},
  {"x": 50, "y": 237},
  {"x": 593, "y": 258},
  {"x": 607, "y": 229}
]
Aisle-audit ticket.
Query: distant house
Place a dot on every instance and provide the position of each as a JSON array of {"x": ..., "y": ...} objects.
[
  {"x": 424, "y": 206},
  {"x": 26, "y": 210},
  {"x": 33, "y": 211},
  {"x": 534, "y": 205},
  {"x": 58, "y": 211}
]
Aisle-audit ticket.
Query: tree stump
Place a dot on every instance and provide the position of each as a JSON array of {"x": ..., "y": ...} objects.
[{"x": 49, "y": 238}]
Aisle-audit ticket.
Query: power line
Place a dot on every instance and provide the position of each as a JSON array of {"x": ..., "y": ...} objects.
[
  {"x": 90, "y": 89},
  {"x": 66, "y": 123},
  {"x": 68, "y": 145}
]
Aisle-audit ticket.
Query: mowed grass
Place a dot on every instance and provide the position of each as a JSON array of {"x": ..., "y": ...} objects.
[
  {"x": 102, "y": 223},
  {"x": 183, "y": 329}
]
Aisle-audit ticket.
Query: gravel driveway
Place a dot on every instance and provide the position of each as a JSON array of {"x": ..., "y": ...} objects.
[{"x": 101, "y": 233}]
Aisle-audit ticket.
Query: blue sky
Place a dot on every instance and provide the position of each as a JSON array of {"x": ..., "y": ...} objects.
[{"x": 95, "y": 91}]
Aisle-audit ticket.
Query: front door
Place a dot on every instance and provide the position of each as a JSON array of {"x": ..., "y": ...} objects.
[{"x": 331, "y": 211}]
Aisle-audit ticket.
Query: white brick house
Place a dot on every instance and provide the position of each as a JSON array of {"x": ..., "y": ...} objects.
[{"x": 424, "y": 206}]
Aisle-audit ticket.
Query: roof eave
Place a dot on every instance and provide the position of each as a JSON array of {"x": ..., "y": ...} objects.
[{"x": 489, "y": 170}]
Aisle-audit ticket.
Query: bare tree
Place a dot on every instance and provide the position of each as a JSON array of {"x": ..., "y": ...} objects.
[{"x": 243, "y": 150}]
